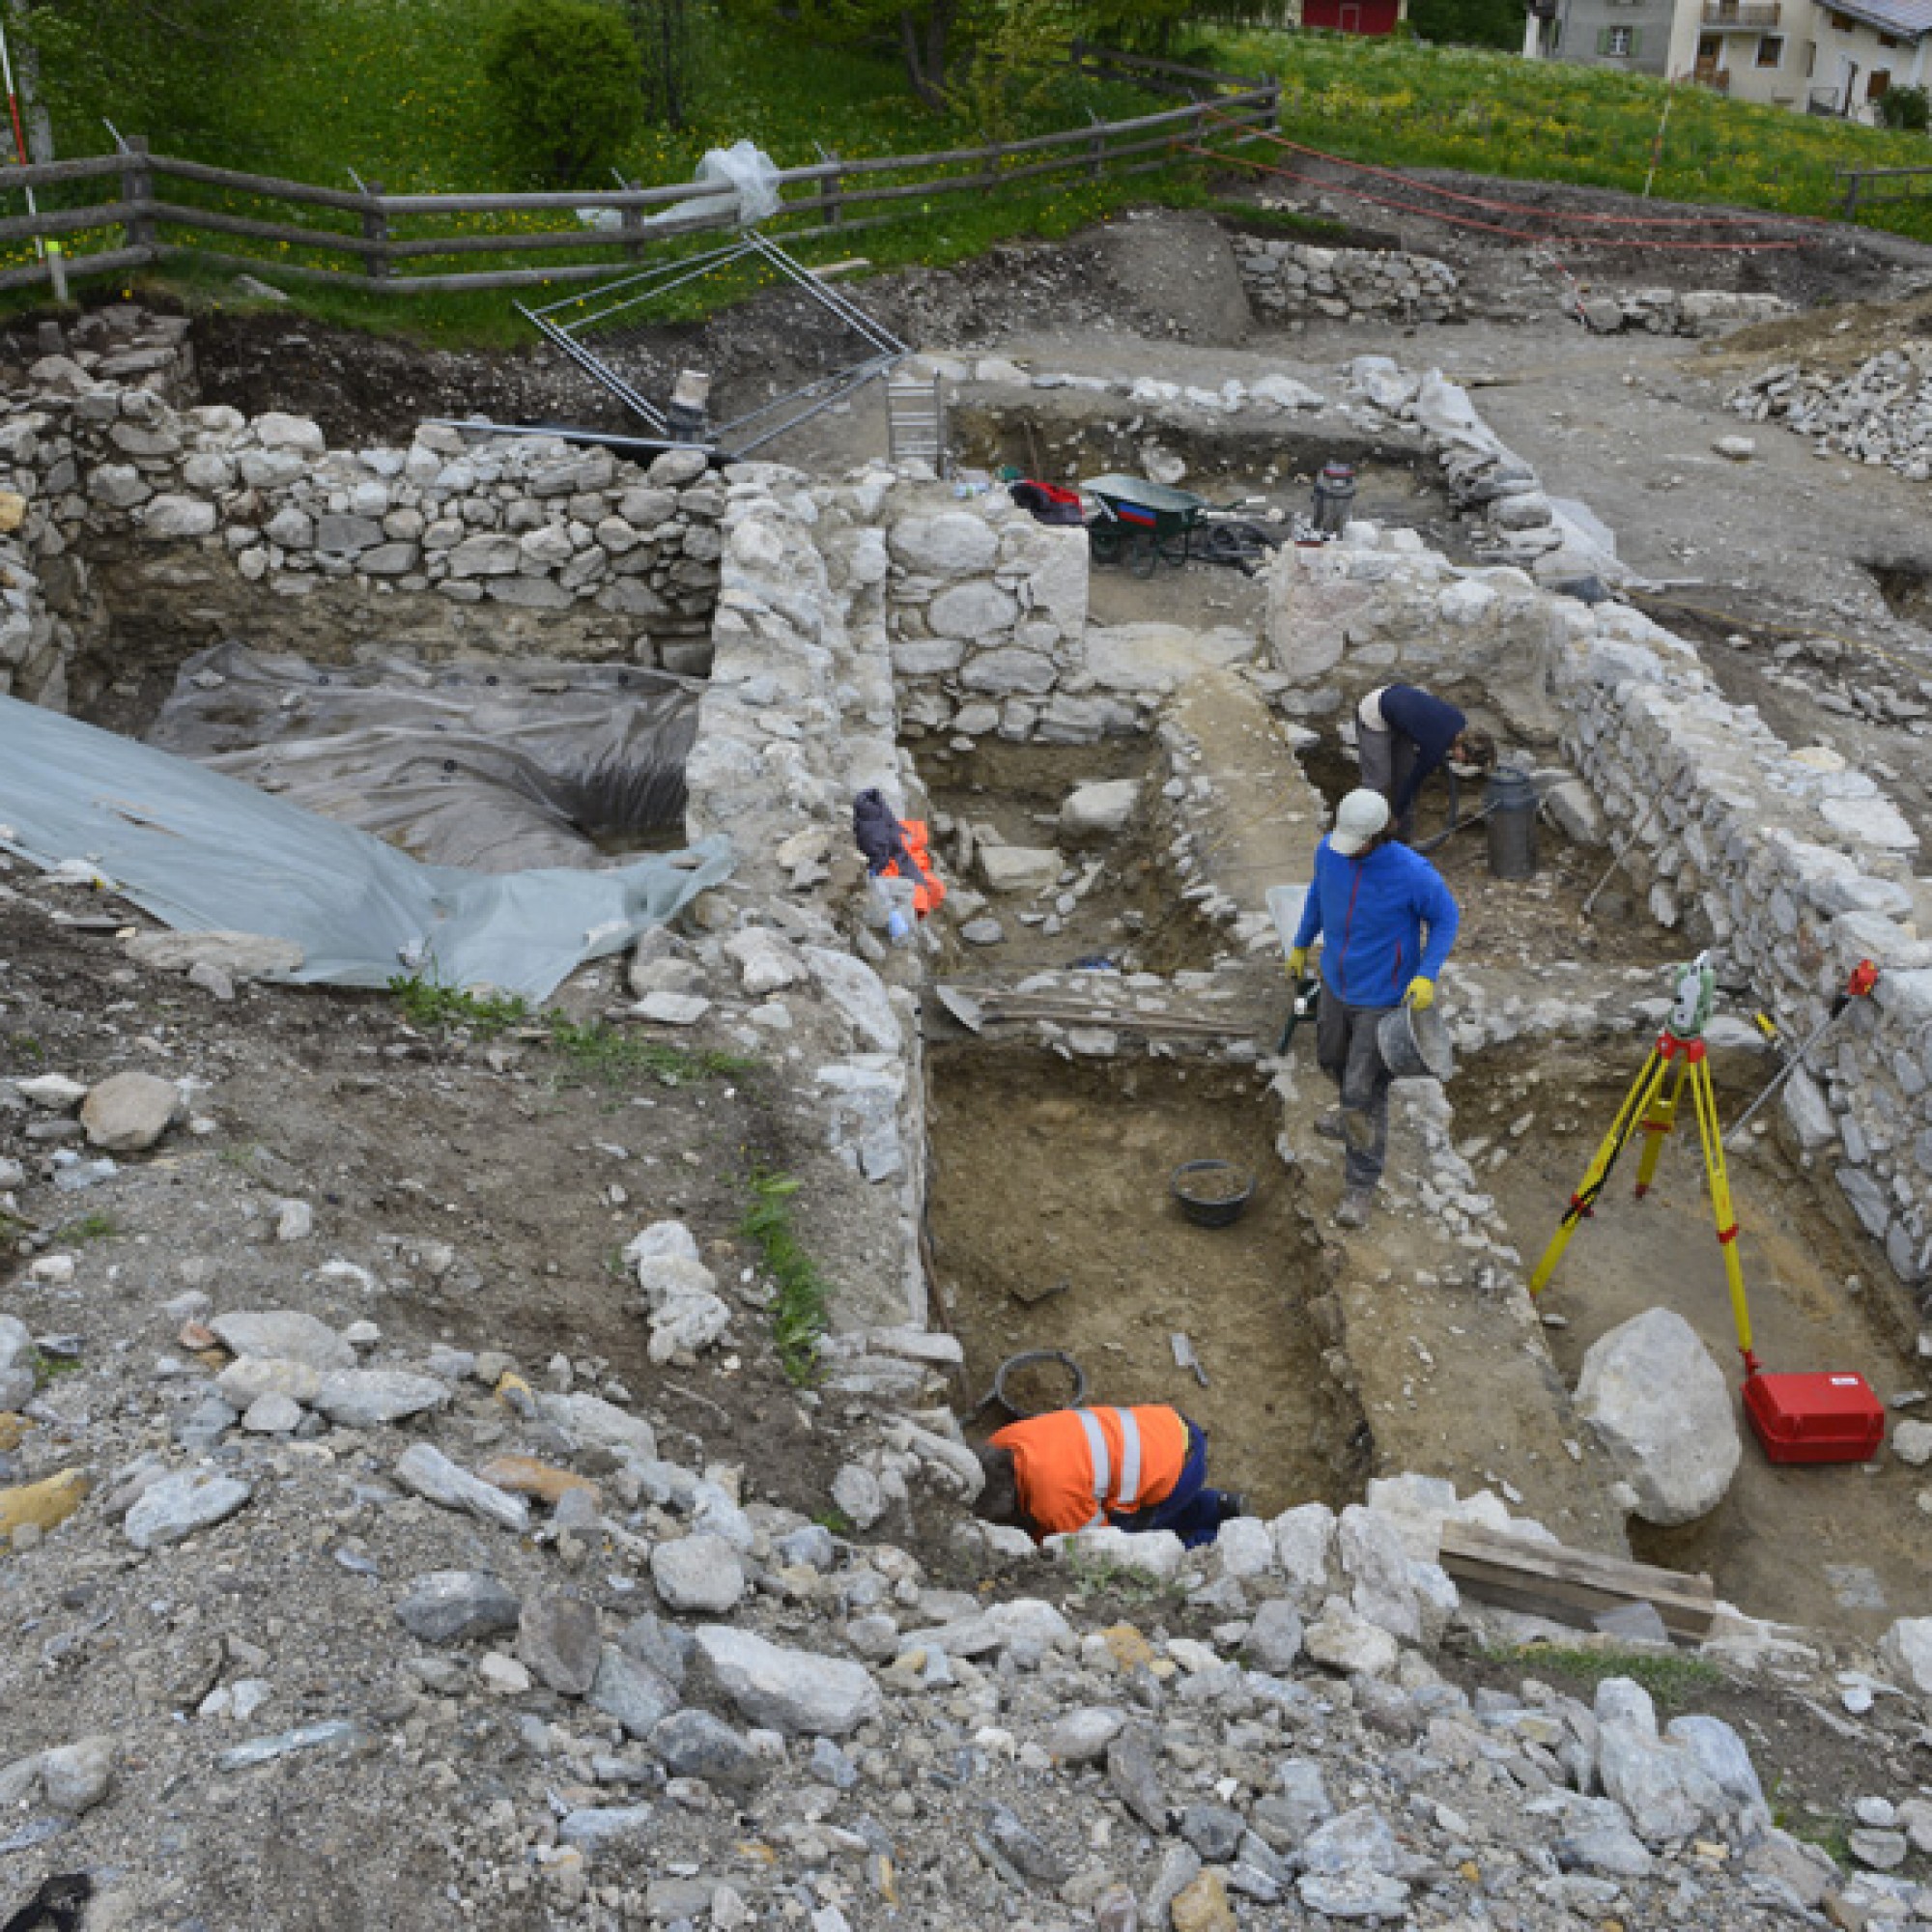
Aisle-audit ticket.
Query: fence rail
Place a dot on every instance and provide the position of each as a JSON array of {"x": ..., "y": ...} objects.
[
  {"x": 1865, "y": 186},
  {"x": 165, "y": 209}
]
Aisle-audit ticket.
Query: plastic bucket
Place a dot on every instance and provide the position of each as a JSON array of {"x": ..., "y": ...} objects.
[{"x": 1415, "y": 1043}]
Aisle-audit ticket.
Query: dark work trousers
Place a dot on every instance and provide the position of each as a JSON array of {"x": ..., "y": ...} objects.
[
  {"x": 1388, "y": 759},
  {"x": 1190, "y": 1509},
  {"x": 1346, "y": 1050}
]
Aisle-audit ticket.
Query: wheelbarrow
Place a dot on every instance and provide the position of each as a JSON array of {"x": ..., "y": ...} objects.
[{"x": 1143, "y": 525}]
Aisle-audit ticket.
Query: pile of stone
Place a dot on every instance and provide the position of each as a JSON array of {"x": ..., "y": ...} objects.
[
  {"x": 1292, "y": 278},
  {"x": 1675, "y": 311},
  {"x": 1880, "y": 414}
]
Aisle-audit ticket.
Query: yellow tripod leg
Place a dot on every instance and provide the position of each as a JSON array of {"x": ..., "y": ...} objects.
[
  {"x": 1659, "y": 1117},
  {"x": 1705, "y": 1101},
  {"x": 1642, "y": 1092}
]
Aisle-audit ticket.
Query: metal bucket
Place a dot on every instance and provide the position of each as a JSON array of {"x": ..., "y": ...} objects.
[
  {"x": 1510, "y": 801},
  {"x": 1415, "y": 1043},
  {"x": 1334, "y": 498}
]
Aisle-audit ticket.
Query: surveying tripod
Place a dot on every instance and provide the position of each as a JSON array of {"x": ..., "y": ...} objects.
[{"x": 1680, "y": 1045}]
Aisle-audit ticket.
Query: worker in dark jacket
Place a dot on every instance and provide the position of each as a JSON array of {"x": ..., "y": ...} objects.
[
  {"x": 1387, "y": 921},
  {"x": 1403, "y": 734}
]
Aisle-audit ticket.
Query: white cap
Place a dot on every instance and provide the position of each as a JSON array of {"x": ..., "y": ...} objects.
[{"x": 1357, "y": 819}]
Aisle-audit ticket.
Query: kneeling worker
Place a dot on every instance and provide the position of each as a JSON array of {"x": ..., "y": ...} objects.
[
  {"x": 1371, "y": 902},
  {"x": 1402, "y": 734},
  {"x": 1077, "y": 1468}
]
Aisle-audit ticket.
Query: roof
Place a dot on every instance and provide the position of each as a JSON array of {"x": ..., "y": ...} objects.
[{"x": 1909, "y": 19}]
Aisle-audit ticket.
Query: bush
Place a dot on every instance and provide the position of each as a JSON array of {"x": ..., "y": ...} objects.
[
  {"x": 564, "y": 80},
  {"x": 1909, "y": 109}
]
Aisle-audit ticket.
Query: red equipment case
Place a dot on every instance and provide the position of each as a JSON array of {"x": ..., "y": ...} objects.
[{"x": 1815, "y": 1418}]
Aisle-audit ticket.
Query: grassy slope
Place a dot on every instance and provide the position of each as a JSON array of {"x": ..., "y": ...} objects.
[
  {"x": 391, "y": 90},
  {"x": 1396, "y": 103}
]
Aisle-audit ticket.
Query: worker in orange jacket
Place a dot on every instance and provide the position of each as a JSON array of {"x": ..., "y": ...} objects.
[{"x": 1074, "y": 1469}]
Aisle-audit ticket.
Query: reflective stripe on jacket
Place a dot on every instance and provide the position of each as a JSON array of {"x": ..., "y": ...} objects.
[{"x": 1077, "y": 1466}]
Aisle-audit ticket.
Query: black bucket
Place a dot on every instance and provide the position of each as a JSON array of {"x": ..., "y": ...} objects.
[{"x": 1510, "y": 800}]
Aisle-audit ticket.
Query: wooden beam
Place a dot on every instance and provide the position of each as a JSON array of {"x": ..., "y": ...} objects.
[{"x": 1573, "y": 1586}]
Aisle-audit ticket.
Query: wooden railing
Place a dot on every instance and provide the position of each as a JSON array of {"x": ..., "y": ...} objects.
[
  {"x": 1865, "y": 187},
  {"x": 1743, "y": 15},
  {"x": 162, "y": 208}
]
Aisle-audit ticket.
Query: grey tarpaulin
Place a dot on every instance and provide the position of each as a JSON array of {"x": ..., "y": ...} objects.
[
  {"x": 495, "y": 765},
  {"x": 206, "y": 853}
]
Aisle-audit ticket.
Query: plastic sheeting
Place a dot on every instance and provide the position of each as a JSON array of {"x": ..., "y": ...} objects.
[
  {"x": 745, "y": 166},
  {"x": 497, "y": 766},
  {"x": 205, "y": 853}
]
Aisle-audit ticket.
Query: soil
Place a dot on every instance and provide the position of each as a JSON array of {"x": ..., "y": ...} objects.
[
  {"x": 507, "y": 1151},
  {"x": 1129, "y": 915},
  {"x": 1093, "y": 1231},
  {"x": 1837, "y": 1547}
]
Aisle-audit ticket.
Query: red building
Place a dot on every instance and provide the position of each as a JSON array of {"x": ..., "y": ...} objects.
[{"x": 1353, "y": 17}]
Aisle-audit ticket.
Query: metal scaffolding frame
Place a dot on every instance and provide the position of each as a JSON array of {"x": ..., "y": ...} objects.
[{"x": 616, "y": 313}]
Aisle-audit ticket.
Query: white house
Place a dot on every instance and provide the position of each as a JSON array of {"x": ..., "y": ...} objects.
[{"x": 1813, "y": 58}]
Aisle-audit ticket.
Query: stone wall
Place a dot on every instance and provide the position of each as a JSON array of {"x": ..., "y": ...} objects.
[
  {"x": 986, "y": 612},
  {"x": 1291, "y": 278},
  {"x": 1791, "y": 866},
  {"x": 143, "y": 514}
]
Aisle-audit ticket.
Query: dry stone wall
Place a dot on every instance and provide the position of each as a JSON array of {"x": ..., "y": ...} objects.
[
  {"x": 143, "y": 512},
  {"x": 1793, "y": 865},
  {"x": 1292, "y": 278}
]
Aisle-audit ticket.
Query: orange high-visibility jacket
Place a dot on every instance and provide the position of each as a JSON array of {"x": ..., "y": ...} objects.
[
  {"x": 929, "y": 892},
  {"x": 1076, "y": 1466}
]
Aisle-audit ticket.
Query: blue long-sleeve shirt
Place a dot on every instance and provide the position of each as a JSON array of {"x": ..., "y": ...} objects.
[
  {"x": 1372, "y": 913},
  {"x": 1431, "y": 724}
]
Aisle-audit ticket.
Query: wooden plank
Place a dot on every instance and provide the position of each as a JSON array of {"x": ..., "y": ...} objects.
[
  {"x": 1572, "y": 1585},
  {"x": 112, "y": 262}
]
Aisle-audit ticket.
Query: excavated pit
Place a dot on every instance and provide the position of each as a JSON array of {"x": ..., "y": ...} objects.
[
  {"x": 1052, "y": 1226},
  {"x": 1521, "y": 923},
  {"x": 1131, "y": 915},
  {"x": 1830, "y": 1546}
]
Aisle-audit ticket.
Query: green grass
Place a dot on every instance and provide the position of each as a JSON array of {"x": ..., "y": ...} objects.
[
  {"x": 804, "y": 1294},
  {"x": 94, "y": 1227},
  {"x": 49, "y": 1369},
  {"x": 607, "y": 1054},
  {"x": 434, "y": 1008},
  {"x": 1673, "y": 1681},
  {"x": 1398, "y": 103}
]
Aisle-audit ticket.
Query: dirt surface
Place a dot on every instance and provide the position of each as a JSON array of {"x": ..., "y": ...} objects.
[
  {"x": 474, "y": 1181},
  {"x": 1128, "y": 916},
  {"x": 1841, "y": 1547},
  {"x": 1053, "y": 1227}
]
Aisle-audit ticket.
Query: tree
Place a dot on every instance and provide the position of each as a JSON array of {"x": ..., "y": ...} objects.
[
  {"x": 1470, "y": 23},
  {"x": 670, "y": 37},
  {"x": 566, "y": 83}
]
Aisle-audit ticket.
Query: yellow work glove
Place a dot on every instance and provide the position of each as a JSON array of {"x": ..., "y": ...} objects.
[
  {"x": 1421, "y": 993},
  {"x": 1297, "y": 962}
]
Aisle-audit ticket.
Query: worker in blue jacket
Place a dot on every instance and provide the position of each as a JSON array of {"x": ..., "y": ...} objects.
[
  {"x": 1403, "y": 734},
  {"x": 1387, "y": 921}
]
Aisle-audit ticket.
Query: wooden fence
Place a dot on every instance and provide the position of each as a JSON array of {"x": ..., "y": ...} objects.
[
  {"x": 1865, "y": 187},
  {"x": 162, "y": 209}
]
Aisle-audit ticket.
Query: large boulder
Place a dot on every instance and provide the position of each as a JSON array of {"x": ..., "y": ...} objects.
[
  {"x": 1658, "y": 1404},
  {"x": 795, "y": 1691},
  {"x": 129, "y": 1111}
]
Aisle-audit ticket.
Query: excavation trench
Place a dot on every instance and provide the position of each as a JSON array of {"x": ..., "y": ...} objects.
[
  {"x": 1122, "y": 909},
  {"x": 1830, "y": 1547},
  {"x": 1053, "y": 1227}
]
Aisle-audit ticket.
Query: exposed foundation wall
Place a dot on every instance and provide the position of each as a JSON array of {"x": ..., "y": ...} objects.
[
  {"x": 150, "y": 523},
  {"x": 1791, "y": 866},
  {"x": 1291, "y": 278}
]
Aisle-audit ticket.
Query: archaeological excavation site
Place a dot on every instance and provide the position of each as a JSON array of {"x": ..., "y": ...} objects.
[{"x": 594, "y": 1024}]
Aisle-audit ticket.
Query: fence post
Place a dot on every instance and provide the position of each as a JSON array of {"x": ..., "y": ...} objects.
[
  {"x": 1852, "y": 178},
  {"x": 1273, "y": 106},
  {"x": 138, "y": 189},
  {"x": 1096, "y": 145},
  {"x": 830, "y": 191},
  {"x": 376, "y": 233},
  {"x": 631, "y": 224}
]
